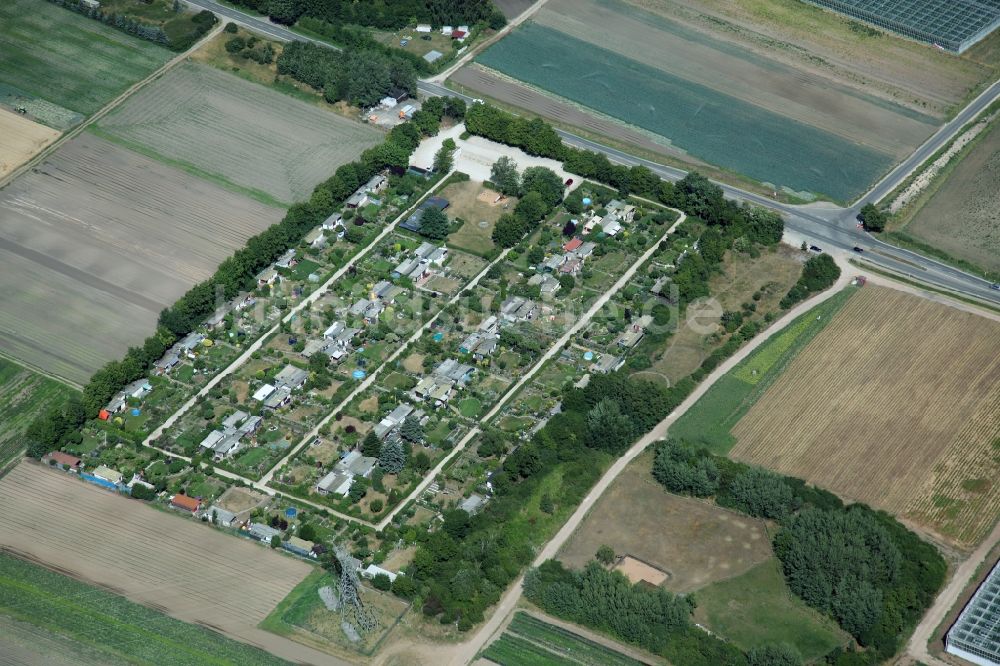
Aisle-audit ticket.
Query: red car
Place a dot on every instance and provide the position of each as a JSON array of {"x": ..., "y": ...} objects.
[{"x": 569, "y": 181}]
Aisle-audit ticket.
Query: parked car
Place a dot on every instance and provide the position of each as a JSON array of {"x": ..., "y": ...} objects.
[
  {"x": 813, "y": 248},
  {"x": 404, "y": 42},
  {"x": 569, "y": 181}
]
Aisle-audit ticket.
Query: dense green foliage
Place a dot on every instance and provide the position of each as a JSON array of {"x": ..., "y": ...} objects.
[
  {"x": 360, "y": 76},
  {"x": 819, "y": 273},
  {"x": 540, "y": 190},
  {"x": 123, "y": 631},
  {"x": 380, "y": 14},
  {"x": 872, "y": 218},
  {"x": 25, "y": 395},
  {"x": 178, "y": 33},
  {"x": 861, "y": 567}
]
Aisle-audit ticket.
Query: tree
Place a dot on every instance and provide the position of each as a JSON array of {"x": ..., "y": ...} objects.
[
  {"x": 774, "y": 655},
  {"x": 392, "y": 457},
  {"x": 382, "y": 582},
  {"x": 760, "y": 493},
  {"x": 605, "y": 555},
  {"x": 505, "y": 176},
  {"x": 872, "y": 218},
  {"x": 682, "y": 471},
  {"x": 276, "y": 541},
  {"x": 141, "y": 492},
  {"x": 371, "y": 445},
  {"x": 376, "y": 506},
  {"x": 544, "y": 181},
  {"x": 444, "y": 159},
  {"x": 308, "y": 532},
  {"x": 531, "y": 208},
  {"x": 608, "y": 428},
  {"x": 434, "y": 223},
  {"x": 411, "y": 430},
  {"x": 359, "y": 488},
  {"x": 508, "y": 231}
]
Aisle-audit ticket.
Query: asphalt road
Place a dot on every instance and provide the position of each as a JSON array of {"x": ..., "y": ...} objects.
[{"x": 828, "y": 227}]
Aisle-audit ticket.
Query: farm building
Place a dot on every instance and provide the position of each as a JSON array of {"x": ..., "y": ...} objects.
[
  {"x": 63, "y": 460},
  {"x": 953, "y": 25},
  {"x": 185, "y": 503},
  {"x": 433, "y": 56},
  {"x": 373, "y": 570},
  {"x": 263, "y": 533},
  {"x": 975, "y": 636},
  {"x": 291, "y": 377},
  {"x": 222, "y": 516},
  {"x": 336, "y": 482},
  {"x": 299, "y": 546}
]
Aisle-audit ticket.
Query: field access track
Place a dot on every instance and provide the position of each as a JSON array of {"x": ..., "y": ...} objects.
[
  {"x": 170, "y": 563},
  {"x": 96, "y": 241}
]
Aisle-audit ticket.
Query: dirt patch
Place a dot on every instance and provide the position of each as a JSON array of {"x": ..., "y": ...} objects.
[
  {"x": 963, "y": 215},
  {"x": 895, "y": 403},
  {"x": 239, "y": 500},
  {"x": 100, "y": 239},
  {"x": 20, "y": 140},
  {"x": 638, "y": 571},
  {"x": 480, "y": 208},
  {"x": 694, "y": 542},
  {"x": 414, "y": 363},
  {"x": 174, "y": 564},
  {"x": 369, "y": 404}
]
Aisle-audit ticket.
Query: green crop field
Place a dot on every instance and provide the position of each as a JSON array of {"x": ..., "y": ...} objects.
[
  {"x": 24, "y": 395},
  {"x": 757, "y": 608},
  {"x": 123, "y": 631},
  {"x": 709, "y": 421},
  {"x": 68, "y": 59},
  {"x": 565, "y": 643},
  {"x": 510, "y": 650},
  {"x": 708, "y": 124}
]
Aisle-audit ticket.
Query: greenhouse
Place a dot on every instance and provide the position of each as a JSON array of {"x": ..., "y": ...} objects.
[
  {"x": 975, "y": 636},
  {"x": 954, "y": 25}
]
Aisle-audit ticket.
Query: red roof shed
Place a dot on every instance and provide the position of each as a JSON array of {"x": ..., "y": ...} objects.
[
  {"x": 64, "y": 459},
  {"x": 573, "y": 244},
  {"x": 187, "y": 503}
]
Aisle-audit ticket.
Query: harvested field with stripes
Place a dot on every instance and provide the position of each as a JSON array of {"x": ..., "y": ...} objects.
[
  {"x": 171, "y": 563},
  {"x": 96, "y": 241},
  {"x": 896, "y": 403}
]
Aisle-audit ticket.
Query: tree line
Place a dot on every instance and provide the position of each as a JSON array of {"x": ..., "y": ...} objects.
[
  {"x": 861, "y": 567},
  {"x": 380, "y": 14},
  {"x": 649, "y": 617},
  {"x": 201, "y": 23},
  {"x": 237, "y": 273},
  {"x": 819, "y": 273}
]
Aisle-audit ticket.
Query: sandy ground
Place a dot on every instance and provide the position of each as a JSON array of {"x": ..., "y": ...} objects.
[
  {"x": 174, "y": 564},
  {"x": 100, "y": 239},
  {"x": 20, "y": 139}
]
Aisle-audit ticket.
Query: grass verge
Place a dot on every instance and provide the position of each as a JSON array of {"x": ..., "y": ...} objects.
[{"x": 709, "y": 421}]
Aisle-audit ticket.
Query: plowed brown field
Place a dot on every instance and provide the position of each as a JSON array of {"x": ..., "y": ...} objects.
[
  {"x": 897, "y": 404},
  {"x": 173, "y": 564}
]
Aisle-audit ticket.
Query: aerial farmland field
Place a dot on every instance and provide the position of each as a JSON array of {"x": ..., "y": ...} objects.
[
  {"x": 68, "y": 59},
  {"x": 896, "y": 402},
  {"x": 706, "y": 98},
  {"x": 24, "y": 395},
  {"x": 962, "y": 216},
  {"x": 237, "y": 132},
  {"x": 20, "y": 140},
  {"x": 96, "y": 241},
  {"x": 171, "y": 563}
]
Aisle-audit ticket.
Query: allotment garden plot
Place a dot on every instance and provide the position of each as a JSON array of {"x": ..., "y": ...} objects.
[
  {"x": 895, "y": 403},
  {"x": 727, "y": 106},
  {"x": 97, "y": 241},
  {"x": 239, "y": 132},
  {"x": 68, "y": 60}
]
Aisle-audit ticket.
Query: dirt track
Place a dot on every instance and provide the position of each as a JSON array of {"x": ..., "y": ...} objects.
[{"x": 174, "y": 564}]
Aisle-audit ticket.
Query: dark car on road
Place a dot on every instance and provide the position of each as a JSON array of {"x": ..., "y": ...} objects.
[
  {"x": 858, "y": 249},
  {"x": 813, "y": 248}
]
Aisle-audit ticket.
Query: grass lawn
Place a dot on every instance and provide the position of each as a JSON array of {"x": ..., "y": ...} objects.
[
  {"x": 709, "y": 421},
  {"x": 68, "y": 59},
  {"x": 398, "y": 380},
  {"x": 757, "y": 608},
  {"x": 185, "y": 373},
  {"x": 470, "y": 407},
  {"x": 515, "y": 423},
  {"x": 473, "y": 203},
  {"x": 303, "y": 269},
  {"x": 439, "y": 433},
  {"x": 124, "y": 632},
  {"x": 253, "y": 457},
  {"x": 24, "y": 395}
]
